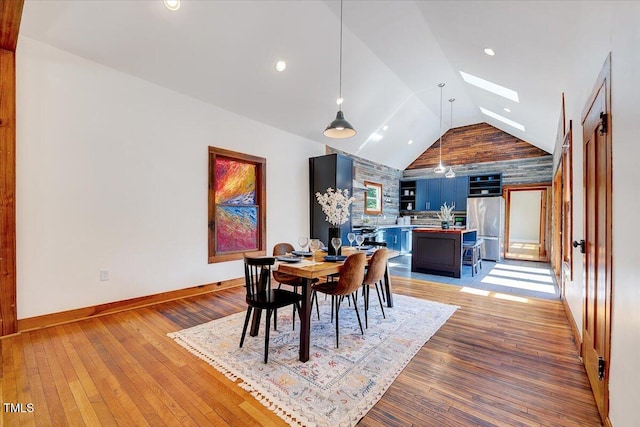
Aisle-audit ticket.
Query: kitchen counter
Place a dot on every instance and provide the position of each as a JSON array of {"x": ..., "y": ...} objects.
[
  {"x": 439, "y": 251},
  {"x": 454, "y": 229}
]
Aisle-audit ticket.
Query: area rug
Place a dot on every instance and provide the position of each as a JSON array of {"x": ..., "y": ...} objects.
[{"x": 337, "y": 386}]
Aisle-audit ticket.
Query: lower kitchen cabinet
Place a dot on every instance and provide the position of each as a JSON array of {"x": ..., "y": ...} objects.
[{"x": 393, "y": 239}]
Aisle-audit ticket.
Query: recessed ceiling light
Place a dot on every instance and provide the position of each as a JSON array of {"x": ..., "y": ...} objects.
[
  {"x": 489, "y": 51},
  {"x": 508, "y": 110},
  {"x": 281, "y": 65},
  {"x": 490, "y": 86},
  {"x": 339, "y": 101},
  {"x": 384, "y": 128},
  {"x": 502, "y": 119},
  {"x": 172, "y": 5},
  {"x": 410, "y": 142}
]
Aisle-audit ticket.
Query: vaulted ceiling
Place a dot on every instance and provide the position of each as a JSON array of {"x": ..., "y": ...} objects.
[{"x": 395, "y": 54}]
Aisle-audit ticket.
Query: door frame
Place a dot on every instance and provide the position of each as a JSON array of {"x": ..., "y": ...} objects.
[
  {"x": 10, "y": 17},
  {"x": 545, "y": 216}
]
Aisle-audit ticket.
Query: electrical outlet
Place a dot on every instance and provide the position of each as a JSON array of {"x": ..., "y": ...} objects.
[{"x": 104, "y": 275}]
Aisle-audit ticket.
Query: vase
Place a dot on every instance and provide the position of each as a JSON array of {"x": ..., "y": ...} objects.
[
  {"x": 444, "y": 225},
  {"x": 334, "y": 232}
]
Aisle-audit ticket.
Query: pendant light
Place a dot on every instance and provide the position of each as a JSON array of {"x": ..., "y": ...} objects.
[
  {"x": 440, "y": 168},
  {"x": 450, "y": 173},
  {"x": 340, "y": 128}
]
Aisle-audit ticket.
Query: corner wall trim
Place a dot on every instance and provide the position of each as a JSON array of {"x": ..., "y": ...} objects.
[{"x": 52, "y": 319}]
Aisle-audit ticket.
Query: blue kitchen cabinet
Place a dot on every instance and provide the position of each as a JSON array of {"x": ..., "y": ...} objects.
[
  {"x": 435, "y": 194},
  {"x": 448, "y": 191},
  {"x": 405, "y": 240},
  {"x": 393, "y": 238},
  {"x": 422, "y": 195},
  {"x": 461, "y": 192}
]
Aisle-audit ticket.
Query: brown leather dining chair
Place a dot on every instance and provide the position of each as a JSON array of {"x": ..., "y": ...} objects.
[
  {"x": 261, "y": 296},
  {"x": 348, "y": 283},
  {"x": 374, "y": 276}
]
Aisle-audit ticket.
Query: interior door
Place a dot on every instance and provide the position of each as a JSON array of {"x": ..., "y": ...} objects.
[{"x": 597, "y": 245}]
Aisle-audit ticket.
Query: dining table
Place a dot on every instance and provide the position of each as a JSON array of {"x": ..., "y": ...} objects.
[{"x": 313, "y": 269}]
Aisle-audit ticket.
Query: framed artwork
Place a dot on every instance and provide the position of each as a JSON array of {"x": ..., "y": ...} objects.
[
  {"x": 237, "y": 199},
  {"x": 372, "y": 198}
]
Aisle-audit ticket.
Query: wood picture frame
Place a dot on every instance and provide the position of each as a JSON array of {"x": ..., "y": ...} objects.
[
  {"x": 372, "y": 198},
  {"x": 236, "y": 205}
]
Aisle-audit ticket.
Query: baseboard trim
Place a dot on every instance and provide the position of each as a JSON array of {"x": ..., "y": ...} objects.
[
  {"x": 52, "y": 319},
  {"x": 572, "y": 324}
]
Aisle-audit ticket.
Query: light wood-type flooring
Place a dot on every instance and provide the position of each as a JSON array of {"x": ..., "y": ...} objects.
[{"x": 495, "y": 362}]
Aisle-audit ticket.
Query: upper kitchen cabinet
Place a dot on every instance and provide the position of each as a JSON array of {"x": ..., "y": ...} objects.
[
  {"x": 407, "y": 195},
  {"x": 485, "y": 185},
  {"x": 335, "y": 171},
  {"x": 461, "y": 192},
  {"x": 432, "y": 193}
]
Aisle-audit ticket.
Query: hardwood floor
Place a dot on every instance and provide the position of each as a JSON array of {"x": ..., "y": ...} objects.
[
  {"x": 524, "y": 251},
  {"x": 495, "y": 362}
]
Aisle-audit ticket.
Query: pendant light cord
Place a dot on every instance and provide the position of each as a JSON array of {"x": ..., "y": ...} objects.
[
  {"x": 340, "y": 79},
  {"x": 441, "y": 86}
]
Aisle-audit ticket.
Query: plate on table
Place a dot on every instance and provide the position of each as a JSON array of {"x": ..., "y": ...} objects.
[
  {"x": 302, "y": 253},
  {"x": 365, "y": 248},
  {"x": 285, "y": 258},
  {"x": 335, "y": 258}
]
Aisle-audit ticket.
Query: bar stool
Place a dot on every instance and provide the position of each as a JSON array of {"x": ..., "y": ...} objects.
[{"x": 471, "y": 255}]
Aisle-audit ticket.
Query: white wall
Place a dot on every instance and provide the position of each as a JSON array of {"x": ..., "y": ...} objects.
[
  {"x": 524, "y": 216},
  {"x": 613, "y": 27},
  {"x": 112, "y": 174}
]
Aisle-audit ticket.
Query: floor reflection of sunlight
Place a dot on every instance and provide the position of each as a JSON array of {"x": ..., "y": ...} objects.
[
  {"x": 475, "y": 291},
  {"x": 536, "y": 270},
  {"x": 520, "y": 284},
  {"x": 522, "y": 276},
  {"x": 510, "y": 297}
]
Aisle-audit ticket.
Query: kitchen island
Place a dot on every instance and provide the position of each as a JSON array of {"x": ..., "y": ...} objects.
[{"x": 439, "y": 251}]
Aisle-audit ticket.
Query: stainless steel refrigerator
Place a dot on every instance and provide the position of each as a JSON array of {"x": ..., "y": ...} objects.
[{"x": 486, "y": 214}]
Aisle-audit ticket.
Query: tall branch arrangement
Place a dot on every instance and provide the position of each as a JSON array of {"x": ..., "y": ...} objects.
[
  {"x": 446, "y": 212},
  {"x": 335, "y": 205}
]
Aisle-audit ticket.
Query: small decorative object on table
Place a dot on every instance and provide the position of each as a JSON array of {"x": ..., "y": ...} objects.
[
  {"x": 446, "y": 215},
  {"x": 335, "y": 205}
]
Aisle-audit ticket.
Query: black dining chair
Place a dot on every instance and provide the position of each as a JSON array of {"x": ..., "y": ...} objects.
[
  {"x": 259, "y": 295},
  {"x": 348, "y": 283},
  {"x": 296, "y": 282}
]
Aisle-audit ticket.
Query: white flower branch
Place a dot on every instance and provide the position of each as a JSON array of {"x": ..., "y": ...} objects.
[{"x": 335, "y": 205}]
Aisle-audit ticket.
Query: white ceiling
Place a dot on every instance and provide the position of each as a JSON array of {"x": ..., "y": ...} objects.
[{"x": 395, "y": 54}]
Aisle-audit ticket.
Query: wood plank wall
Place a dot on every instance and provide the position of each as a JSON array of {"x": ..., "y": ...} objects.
[{"x": 476, "y": 143}]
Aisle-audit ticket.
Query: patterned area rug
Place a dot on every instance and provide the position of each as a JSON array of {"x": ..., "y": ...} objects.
[{"x": 336, "y": 387}]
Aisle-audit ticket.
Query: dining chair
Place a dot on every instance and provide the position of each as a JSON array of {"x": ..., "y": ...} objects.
[
  {"x": 296, "y": 282},
  {"x": 374, "y": 276},
  {"x": 259, "y": 295},
  {"x": 348, "y": 283}
]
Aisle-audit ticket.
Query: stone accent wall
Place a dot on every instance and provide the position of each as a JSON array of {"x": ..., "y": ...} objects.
[
  {"x": 533, "y": 170},
  {"x": 366, "y": 170}
]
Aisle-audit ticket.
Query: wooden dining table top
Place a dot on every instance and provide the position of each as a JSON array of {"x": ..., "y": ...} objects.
[{"x": 317, "y": 267}]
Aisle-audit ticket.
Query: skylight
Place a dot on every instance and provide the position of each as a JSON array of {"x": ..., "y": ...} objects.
[
  {"x": 502, "y": 119},
  {"x": 490, "y": 86}
]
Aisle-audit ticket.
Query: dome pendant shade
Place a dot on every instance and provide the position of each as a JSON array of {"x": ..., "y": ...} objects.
[
  {"x": 339, "y": 128},
  {"x": 440, "y": 168}
]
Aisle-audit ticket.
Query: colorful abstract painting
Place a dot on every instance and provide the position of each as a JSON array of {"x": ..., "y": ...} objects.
[{"x": 236, "y": 212}]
